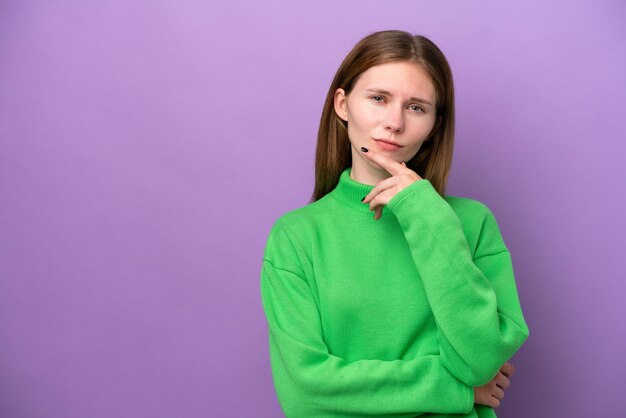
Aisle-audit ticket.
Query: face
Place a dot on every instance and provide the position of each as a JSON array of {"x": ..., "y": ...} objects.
[{"x": 392, "y": 101}]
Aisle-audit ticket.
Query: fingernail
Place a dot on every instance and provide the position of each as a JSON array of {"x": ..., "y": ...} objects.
[
  {"x": 363, "y": 198},
  {"x": 363, "y": 149}
]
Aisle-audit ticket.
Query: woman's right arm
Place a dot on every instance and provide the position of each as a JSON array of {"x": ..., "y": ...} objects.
[{"x": 312, "y": 382}]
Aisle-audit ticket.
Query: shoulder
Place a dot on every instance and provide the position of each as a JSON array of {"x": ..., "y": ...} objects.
[
  {"x": 468, "y": 208},
  {"x": 302, "y": 221},
  {"x": 296, "y": 221},
  {"x": 291, "y": 239},
  {"x": 479, "y": 224},
  {"x": 290, "y": 234}
]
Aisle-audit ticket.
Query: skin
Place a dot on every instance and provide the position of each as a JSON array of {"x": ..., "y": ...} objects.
[
  {"x": 400, "y": 176},
  {"x": 392, "y": 116},
  {"x": 492, "y": 393},
  {"x": 373, "y": 115}
]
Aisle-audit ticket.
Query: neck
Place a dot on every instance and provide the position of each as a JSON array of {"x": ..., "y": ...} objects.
[{"x": 366, "y": 172}]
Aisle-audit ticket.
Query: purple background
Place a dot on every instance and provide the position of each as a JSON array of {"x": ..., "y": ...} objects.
[{"x": 146, "y": 147}]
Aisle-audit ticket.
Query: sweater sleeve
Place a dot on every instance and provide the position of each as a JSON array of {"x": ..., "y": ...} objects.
[
  {"x": 312, "y": 382},
  {"x": 473, "y": 297}
]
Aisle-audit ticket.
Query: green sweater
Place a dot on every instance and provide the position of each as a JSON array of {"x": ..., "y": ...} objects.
[{"x": 395, "y": 317}]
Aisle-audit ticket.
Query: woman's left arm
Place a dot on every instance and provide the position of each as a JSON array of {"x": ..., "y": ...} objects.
[{"x": 473, "y": 296}]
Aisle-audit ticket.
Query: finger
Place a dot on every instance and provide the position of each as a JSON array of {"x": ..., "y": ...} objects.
[
  {"x": 379, "y": 202},
  {"x": 498, "y": 393},
  {"x": 502, "y": 381},
  {"x": 379, "y": 188},
  {"x": 507, "y": 369},
  {"x": 392, "y": 166},
  {"x": 381, "y": 198}
]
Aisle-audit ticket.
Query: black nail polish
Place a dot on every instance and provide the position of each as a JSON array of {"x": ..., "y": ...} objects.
[
  {"x": 363, "y": 149},
  {"x": 363, "y": 198}
]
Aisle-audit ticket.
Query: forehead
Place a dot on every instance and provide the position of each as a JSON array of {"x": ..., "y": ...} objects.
[{"x": 400, "y": 78}]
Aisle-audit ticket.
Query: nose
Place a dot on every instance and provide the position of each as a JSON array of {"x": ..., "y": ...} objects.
[{"x": 394, "y": 120}]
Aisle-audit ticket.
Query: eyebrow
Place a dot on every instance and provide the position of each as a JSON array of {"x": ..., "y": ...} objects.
[{"x": 413, "y": 99}]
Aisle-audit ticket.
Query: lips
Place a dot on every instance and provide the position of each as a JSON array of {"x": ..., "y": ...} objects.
[{"x": 388, "y": 145}]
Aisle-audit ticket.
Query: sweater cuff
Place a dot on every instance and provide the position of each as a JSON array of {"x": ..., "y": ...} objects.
[{"x": 470, "y": 399}]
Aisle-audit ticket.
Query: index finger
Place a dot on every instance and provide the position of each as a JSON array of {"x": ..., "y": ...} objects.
[
  {"x": 507, "y": 369},
  {"x": 382, "y": 160}
]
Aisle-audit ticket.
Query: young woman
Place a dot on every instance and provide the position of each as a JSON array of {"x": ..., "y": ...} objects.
[{"x": 411, "y": 311}]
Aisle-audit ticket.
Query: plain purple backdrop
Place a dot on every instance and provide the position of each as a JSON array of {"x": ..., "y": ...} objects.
[{"x": 146, "y": 148}]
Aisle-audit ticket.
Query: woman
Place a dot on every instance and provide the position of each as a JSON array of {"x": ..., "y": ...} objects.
[{"x": 411, "y": 311}]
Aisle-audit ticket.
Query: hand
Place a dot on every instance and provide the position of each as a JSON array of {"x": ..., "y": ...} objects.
[
  {"x": 401, "y": 177},
  {"x": 492, "y": 393}
]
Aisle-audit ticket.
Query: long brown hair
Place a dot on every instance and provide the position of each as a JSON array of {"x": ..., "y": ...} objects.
[{"x": 434, "y": 158}]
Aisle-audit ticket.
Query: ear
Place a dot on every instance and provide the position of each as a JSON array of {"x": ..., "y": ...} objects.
[{"x": 341, "y": 105}]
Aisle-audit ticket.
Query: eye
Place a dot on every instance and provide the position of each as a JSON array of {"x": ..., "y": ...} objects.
[
  {"x": 375, "y": 97},
  {"x": 418, "y": 107}
]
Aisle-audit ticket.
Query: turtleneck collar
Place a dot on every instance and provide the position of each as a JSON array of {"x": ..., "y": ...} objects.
[{"x": 350, "y": 192}]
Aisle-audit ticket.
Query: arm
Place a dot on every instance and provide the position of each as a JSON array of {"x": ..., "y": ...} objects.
[
  {"x": 474, "y": 298},
  {"x": 312, "y": 382}
]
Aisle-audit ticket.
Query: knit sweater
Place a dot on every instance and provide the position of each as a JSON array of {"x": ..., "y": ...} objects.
[{"x": 396, "y": 317}]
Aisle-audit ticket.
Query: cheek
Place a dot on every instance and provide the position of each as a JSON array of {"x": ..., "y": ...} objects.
[
  {"x": 364, "y": 116},
  {"x": 422, "y": 127}
]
